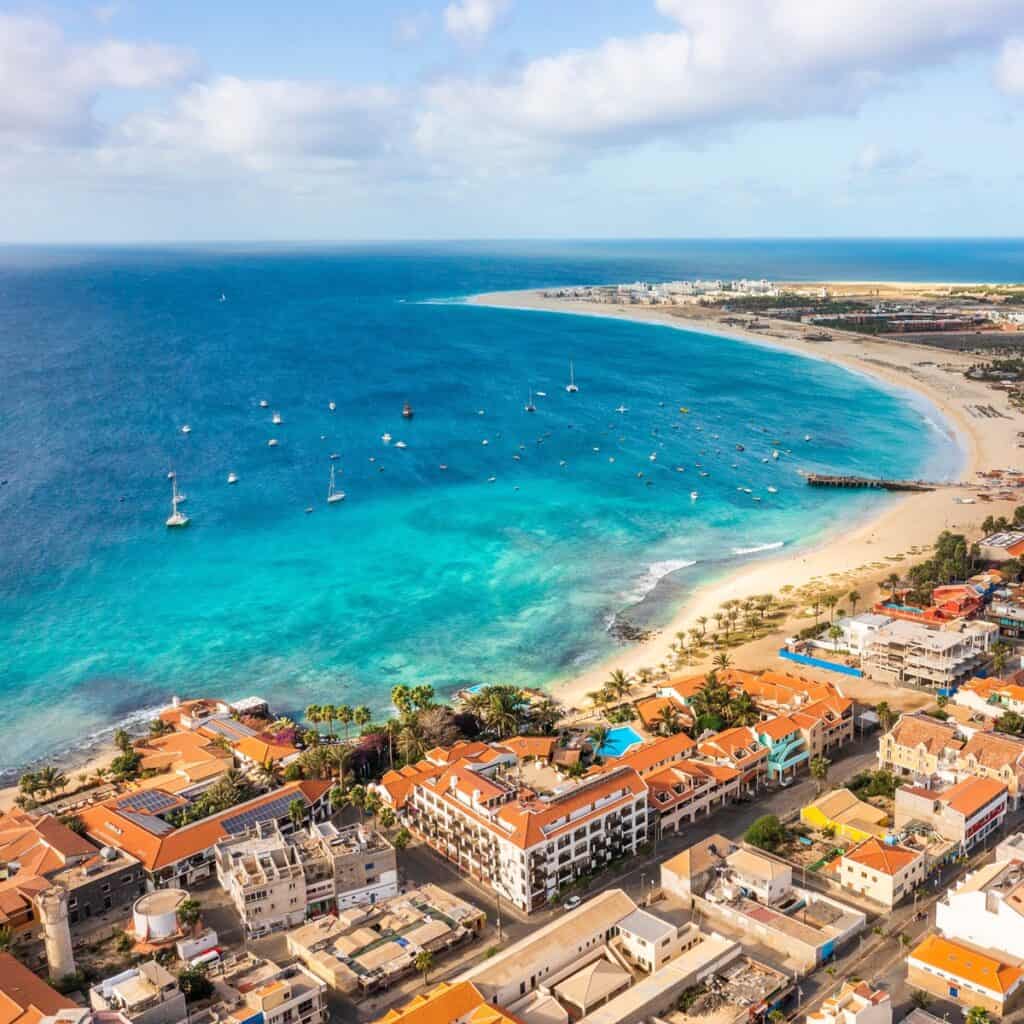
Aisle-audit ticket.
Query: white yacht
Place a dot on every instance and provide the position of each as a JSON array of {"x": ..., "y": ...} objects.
[
  {"x": 177, "y": 517},
  {"x": 572, "y": 386},
  {"x": 263, "y": 403},
  {"x": 694, "y": 495},
  {"x": 401, "y": 444},
  {"x": 272, "y": 443},
  {"x": 773, "y": 490},
  {"x": 186, "y": 429},
  {"x": 333, "y": 494},
  {"x": 622, "y": 409},
  {"x": 276, "y": 419},
  {"x": 331, "y": 406},
  {"x": 386, "y": 437},
  {"x": 232, "y": 478}
]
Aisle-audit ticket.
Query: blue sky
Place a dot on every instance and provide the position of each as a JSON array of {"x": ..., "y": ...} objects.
[{"x": 136, "y": 120}]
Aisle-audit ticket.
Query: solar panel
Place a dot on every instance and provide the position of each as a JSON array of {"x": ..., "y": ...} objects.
[
  {"x": 230, "y": 731},
  {"x": 151, "y": 800},
  {"x": 151, "y": 823},
  {"x": 276, "y": 808}
]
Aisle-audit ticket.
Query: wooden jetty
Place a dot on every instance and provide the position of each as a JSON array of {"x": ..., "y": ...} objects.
[{"x": 874, "y": 483}]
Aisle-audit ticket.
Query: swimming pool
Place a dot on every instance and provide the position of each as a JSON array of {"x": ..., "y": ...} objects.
[{"x": 618, "y": 740}]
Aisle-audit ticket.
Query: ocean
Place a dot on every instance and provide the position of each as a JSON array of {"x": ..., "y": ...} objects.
[{"x": 509, "y": 565}]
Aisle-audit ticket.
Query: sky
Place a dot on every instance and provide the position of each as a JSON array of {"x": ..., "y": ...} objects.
[{"x": 142, "y": 120}]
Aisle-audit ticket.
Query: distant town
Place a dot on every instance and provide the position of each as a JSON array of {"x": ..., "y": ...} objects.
[{"x": 722, "y": 846}]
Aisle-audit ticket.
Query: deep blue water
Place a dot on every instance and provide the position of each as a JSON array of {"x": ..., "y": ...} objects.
[{"x": 421, "y": 574}]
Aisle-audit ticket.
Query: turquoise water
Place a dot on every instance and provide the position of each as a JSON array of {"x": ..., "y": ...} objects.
[
  {"x": 421, "y": 574},
  {"x": 618, "y": 740}
]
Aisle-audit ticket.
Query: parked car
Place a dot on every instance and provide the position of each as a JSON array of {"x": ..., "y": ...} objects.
[{"x": 572, "y": 902}]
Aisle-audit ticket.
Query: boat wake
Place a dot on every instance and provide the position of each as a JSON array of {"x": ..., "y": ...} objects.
[{"x": 774, "y": 546}]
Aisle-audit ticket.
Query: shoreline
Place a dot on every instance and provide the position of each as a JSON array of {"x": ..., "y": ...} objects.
[
  {"x": 838, "y": 559},
  {"x": 842, "y": 559}
]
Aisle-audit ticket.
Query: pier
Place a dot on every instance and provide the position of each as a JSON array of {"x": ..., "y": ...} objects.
[{"x": 875, "y": 483}]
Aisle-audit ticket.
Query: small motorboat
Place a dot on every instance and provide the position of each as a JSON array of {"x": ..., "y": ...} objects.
[
  {"x": 807, "y": 437},
  {"x": 622, "y": 409},
  {"x": 542, "y": 394},
  {"x": 694, "y": 495},
  {"x": 276, "y": 419},
  {"x": 223, "y": 298},
  {"x": 272, "y": 443},
  {"x": 485, "y": 441},
  {"x": 401, "y": 444},
  {"x": 407, "y": 412},
  {"x": 773, "y": 490},
  {"x": 740, "y": 448},
  {"x": 572, "y": 387},
  {"x": 775, "y": 453},
  {"x": 186, "y": 429},
  {"x": 491, "y": 479},
  {"x": 333, "y": 456},
  {"x": 386, "y": 437},
  {"x": 232, "y": 478},
  {"x": 444, "y": 465},
  {"x": 530, "y": 407},
  {"x": 653, "y": 456},
  {"x": 309, "y": 510},
  {"x": 263, "y": 403},
  {"x": 331, "y": 406}
]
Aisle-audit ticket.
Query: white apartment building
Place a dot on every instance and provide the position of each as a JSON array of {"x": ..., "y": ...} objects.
[
  {"x": 855, "y": 1003},
  {"x": 986, "y": 909},
  {"x": 523, "y": 844},
  {"x": 147, "y": 994},
  {"x": 252, "y": 990},
  {"x": 907, "y": 652},
  {"x": 277, "y": 880}
]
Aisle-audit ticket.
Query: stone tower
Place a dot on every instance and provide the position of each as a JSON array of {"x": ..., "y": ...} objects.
[{"x": 52, "y": 905}]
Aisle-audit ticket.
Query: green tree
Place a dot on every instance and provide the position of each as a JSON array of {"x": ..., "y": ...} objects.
[
  {"x": 819, "y": 767},
  {"x": 835, "y": 634},
  {"x": 619, "y": 683},
  {"x": 361, "y": 716},
  {"x": 425, "y": 961},
  {"x": 767, "y": 833},
  {"x": 742, "y": 710},
  {"x": 921, "y": 999},
  {"x": 977, "y": 1015},
  {"x": 297, "y": 812},
  {"x": 854, "y": 598},
  {"x": 886, "y": 715},
  {"x": 401, "y": 839},
  {"x": 721, "y": 661},
  {"x": 401, "y": 697},
  {"x": 194, "y": 984},
  {"x": 189, "y": 911},
  {"x": 668, "y": 720},
  {"x": 1000, "y": 656},
  {"x": 1011, "y": 722},
  {"x": 6, "y": 938}
]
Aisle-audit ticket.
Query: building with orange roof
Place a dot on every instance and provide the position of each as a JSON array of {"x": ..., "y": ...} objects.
[
  {"x": 525, "y": 748},
  {"x": 37, "y": 853},
  {"x": 187, "y": 763},
  {"x": 740, "y": 749},
  {"x": 254, "y": 990},
  {"x": 971, "y": 977},
  {"x": 688, "y": 789},
  {"x": 525, "y": 845},
  {"x": 138, "y": 824},
  {"x": 652, "y": 713},
  {"x": 919, "y": 745},
  {"x": 884, "y": 872},
  {"x": 855, "y": 1003},
  {"x": 827, "y": 723},
  {"x": 965, "y": 813},
  {"x": 24, "y": 997},
  {"x": 998, "y": 756},
  {"x": 656, "y": 754},
  {"x": 459, "y": 1002},
  {"x": 991, "y": 697},
  {"x": 787, "y": 746}
]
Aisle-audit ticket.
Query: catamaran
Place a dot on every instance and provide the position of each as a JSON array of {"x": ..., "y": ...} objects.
[
  {"x": 177, "y": 517},
  {"x": 530, "y": 407},
  {"x": 334, "y": 495},
  {"x": 571, "y": 387}
]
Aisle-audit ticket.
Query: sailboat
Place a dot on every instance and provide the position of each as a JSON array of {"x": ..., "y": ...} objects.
[
  {"x": 334, "y": 495},
  {"x": 276, "y": 419},
  {"x": 530, "y": 407},
  {"x": 571, "y": 387},
  {"x": 177, "y": 517},
  {"x": 407, "y": 412}
]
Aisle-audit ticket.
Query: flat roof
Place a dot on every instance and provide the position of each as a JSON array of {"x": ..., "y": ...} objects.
[{"x": 646, "y": 926}]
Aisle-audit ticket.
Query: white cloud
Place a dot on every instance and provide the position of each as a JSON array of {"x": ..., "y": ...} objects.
[
  {"x": 48, "y": 86},
  {"x": 723, "y": 62},
  {"x": 471, "y": 21},
  {"x": 1010, "y": 69},
  {"x": 267, "y": 123},
  {"x": 874, "y": 158}
]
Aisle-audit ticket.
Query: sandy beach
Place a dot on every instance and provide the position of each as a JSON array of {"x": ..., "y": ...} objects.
[{"x": 843, "y": 561}]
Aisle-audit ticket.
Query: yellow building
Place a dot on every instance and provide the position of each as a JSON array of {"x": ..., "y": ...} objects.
[
  {"x": 849, "y": 817},
  {"x": 454, "y": 1003}
]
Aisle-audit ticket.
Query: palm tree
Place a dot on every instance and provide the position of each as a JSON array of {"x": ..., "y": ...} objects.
[
  {"x": 1000, "y": 656},
  {"x": 314, "y": 714},
  {"x": 401, "y": 697},
  {"x": 742, "y": 710},
  {"x": 645, "y": 676},
  {"x": 122, "y": 741},
  {"x": 886, "y": 715},
  {"x": 702, "y": 625},
  {"x": 721, "y": 661},
  {"x": 339, "y": 799},
  {"x": 835, "y": 634},
  {"x": 410, "y": 741},
  {"x": 598, "y": 697},
  {"x": 977, "y": 1015},
  {"x": 361, "y": 716},
  {"x": 619, "y": 683},
  {"x": 921, "y": 999},
  {"x": 423, "y": 696},
  {"x": 854, "y": 598},
  {"x": 6, "y": 938},
  {"x": 297, "y": 812},
  {"x": 891, "y": 582},
  {"x": 372, "y": 805},
  {"x": 30, "y": 785},
  {"x": 668, "y": 720},
  {"x": 545, "y": 715},
  {"x": 425, "y": 960},
  {"x": 357, "y": 798},
  {"x": 343, "y": 713},
  {"x": 819, "y": 767},
  {"x": 503, "y": 710},
  {"x": 387, "y": 818},
  {"x": 830, "y": 603},
  {"x": 598, "y": 735},
  {"x": 269, "y": 773},
  {"x": 51, "y": 780}
]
